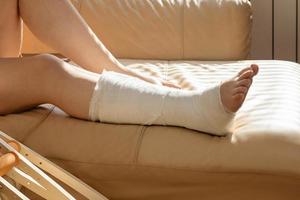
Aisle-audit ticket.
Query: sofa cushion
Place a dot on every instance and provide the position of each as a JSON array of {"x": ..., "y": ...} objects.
[
  {"x": 269, "y": 118},
  {"x": 20, "y": 125},
  {"x": 265, "y": 139}
]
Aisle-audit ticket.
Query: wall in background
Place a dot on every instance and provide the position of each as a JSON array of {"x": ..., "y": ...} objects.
[{"x": 275, "y": 30}]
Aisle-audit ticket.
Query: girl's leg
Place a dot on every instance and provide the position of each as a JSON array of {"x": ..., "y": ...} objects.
[
  {"x": 10, "y": 29},
  {"x": 117, "y": 98},
  {"x": 30, "y": 81},
  {"x": 58, "y": 24}
]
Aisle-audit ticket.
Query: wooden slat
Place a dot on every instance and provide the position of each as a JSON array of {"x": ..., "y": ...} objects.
[
  {"x": 285, "y": 30},
  {"x": 261, "y": 47},
  {"x": 32, "y": 177}
]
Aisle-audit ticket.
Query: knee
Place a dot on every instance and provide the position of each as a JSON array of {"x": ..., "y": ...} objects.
[
  {"x": 52, "y": 71},
  {"x": 49, "y": 64},
  {"x": 47, "y": 59}
]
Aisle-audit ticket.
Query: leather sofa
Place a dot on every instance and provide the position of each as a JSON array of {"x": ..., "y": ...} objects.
[{"x": 171, "y": 39}]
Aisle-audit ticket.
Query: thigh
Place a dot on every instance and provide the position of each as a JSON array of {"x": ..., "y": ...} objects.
[
  {"x": 29, "y": 81},
  {"x": 19, "y": 84},
  {"x": 10, "y": 29}
]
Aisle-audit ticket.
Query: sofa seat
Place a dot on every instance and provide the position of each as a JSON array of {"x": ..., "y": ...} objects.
[{"x": 259, "y": 160}]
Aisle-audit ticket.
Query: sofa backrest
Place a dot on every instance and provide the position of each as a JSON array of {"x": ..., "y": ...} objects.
[{"x": 166, "y": 29}]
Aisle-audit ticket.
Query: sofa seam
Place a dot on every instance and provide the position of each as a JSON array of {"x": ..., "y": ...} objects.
[
  {"x": 237, "y": 174},
  {"x": 38, "y": 124},
  {"x": 142, "y": 131},
  {"x": 180, "y": 168}
]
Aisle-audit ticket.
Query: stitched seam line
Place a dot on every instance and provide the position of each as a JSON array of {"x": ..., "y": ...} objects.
[
  {"x": 190, "y": 169},
  {"x": 37, "y": 125},
  {"x": 139, "y": 143}
]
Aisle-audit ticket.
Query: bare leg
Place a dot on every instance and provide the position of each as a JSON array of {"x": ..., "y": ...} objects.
[
  {"x": 58, "y": 24},
  {"x": 10, "y": 29},
  {"x": 31, "y": 81}
]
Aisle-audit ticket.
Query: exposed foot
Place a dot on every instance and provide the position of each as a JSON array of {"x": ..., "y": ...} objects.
[{"x": 234, "y": 91}]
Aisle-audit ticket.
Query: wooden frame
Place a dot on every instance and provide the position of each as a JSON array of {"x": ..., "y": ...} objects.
[{"x": 30, "y": 173}]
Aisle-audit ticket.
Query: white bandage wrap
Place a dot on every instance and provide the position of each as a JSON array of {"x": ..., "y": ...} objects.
[{"x": 123, "y": 99}]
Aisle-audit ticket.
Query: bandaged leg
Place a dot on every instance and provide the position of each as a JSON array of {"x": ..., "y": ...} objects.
[{"x": 119, "y": 98}]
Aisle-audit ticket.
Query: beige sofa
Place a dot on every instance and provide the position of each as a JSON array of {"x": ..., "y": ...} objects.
[{"x": 157, "y": 37}]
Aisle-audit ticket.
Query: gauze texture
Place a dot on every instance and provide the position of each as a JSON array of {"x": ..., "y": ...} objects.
[{"x": 123, "y": 99}]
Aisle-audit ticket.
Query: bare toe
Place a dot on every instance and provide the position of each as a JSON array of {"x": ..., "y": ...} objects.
[
  {"x": 255, "y": 68},
  {"x": 245, "y": 82},
  {"x": 244, "y": 70},
  {"x": 247, "y": 74}
]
